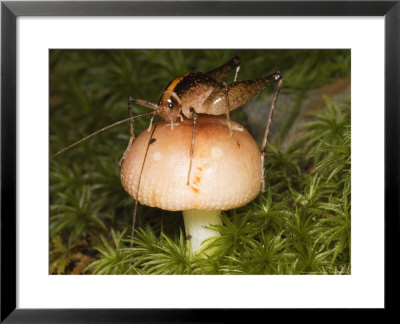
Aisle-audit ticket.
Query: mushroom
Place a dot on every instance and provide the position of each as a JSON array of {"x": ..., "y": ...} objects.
[{"x": 223, "y": 175}]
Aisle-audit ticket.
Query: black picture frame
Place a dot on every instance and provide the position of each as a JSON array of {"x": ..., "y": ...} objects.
[{"x": 11, "y": 10}]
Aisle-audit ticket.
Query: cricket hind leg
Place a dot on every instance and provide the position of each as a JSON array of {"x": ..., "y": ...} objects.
[
  {"x": 140, "y": 102},
  {"x": 220, "y": 73},
  {"x": 266, "y": 133}
]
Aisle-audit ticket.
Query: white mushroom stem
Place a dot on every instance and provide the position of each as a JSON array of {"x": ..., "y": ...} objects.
[{"x": 196, "y": 222}]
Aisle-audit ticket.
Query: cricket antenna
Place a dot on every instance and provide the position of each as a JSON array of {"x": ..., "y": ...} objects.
[{"x": 99, "y": 131}]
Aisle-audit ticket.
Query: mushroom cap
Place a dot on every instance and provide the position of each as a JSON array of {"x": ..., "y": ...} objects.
[{"x": 223, "y": 175}]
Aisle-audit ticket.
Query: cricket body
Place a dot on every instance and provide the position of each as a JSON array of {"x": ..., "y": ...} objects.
[{"x": 206, "y": 93}]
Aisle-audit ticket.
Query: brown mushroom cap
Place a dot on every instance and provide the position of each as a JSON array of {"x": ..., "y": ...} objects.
[{"x": 223, "y": 174}]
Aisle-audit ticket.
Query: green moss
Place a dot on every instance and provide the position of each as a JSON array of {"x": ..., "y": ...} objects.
[{"x": 300, "y": 225}]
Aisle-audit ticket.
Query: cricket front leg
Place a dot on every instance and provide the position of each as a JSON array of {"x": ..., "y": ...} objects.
[{"x": 143, "y": 103}]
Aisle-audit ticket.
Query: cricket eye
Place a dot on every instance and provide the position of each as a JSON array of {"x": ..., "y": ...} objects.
[{"x": 172, "y": 103}]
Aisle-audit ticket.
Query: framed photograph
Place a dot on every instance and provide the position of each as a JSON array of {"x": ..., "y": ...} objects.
[{"x": 189, "y": 160}]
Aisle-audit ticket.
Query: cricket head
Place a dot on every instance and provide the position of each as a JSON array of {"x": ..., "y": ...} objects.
[{"x": 169, "y": 106}]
